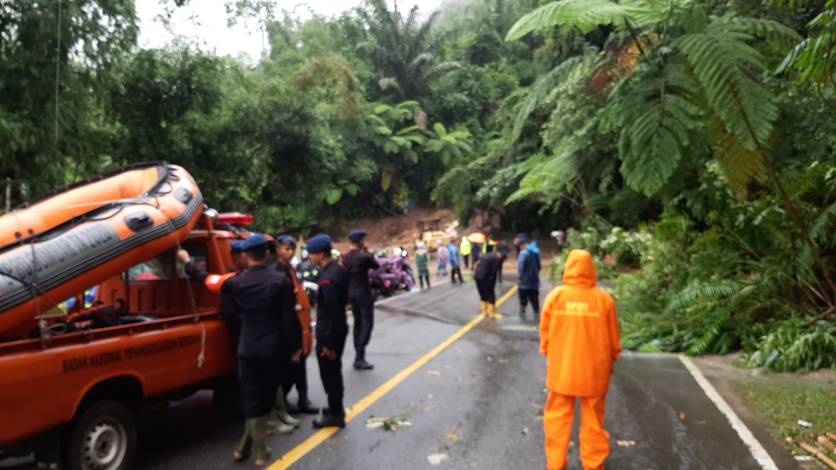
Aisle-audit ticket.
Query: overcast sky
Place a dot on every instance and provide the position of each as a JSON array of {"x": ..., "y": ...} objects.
[{"x": 205, "y": 23}]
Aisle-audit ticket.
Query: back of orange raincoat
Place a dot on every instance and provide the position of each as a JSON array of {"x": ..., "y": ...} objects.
[{"x": 579, "y": 333}]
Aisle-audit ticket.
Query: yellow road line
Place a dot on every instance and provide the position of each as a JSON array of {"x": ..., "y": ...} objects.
[{"x": 309, "y": 444}]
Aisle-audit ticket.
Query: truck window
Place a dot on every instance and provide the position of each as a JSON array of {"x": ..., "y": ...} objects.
[
  {"x": 199, "y": 256},
  {"x": 157, "y": 269}
]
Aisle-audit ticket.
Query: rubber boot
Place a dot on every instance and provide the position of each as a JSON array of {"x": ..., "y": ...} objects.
[
  {"x": 245, "y": 446},
  {"x": 261, "y": 453},
  {"x": 492, "y": 311},
  {"x": 275, "y": 426},
  {"x": 280, "y": 410},
  {"x": 522, "y": 313},
  {"x": 484, "y": 306}
]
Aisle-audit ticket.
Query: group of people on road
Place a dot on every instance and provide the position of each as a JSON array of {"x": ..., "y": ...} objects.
[
  {"x": 447, "y": 256},
  {"x": 270, "y": 319},
  {"x": 269, "y": 315}
]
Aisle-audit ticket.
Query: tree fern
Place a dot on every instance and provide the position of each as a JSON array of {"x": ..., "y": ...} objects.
[
  {"x": 710, "y": 334},
  {"x": 546, "y": 84},
  {"x": 739, "y": 164},
  {"x": 657, "y": 121},
  {"x": 584, "y": 15},
  {"x": 697, "y": 291},
  {"x": 827, "y": 219},
  {"x": 717, "y": 57},
  {"x": 550, "y": 175}
]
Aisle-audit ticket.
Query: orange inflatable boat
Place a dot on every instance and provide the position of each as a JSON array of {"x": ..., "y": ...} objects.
[{"x": 87, "y": 233}]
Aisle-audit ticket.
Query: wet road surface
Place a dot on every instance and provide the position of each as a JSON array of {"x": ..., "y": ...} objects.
[{"x": 476, "y": 405}]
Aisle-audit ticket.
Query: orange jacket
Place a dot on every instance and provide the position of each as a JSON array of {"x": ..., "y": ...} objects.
[
  {"x": 579, "y": 332},
  {"x": 303, "y": 309}
]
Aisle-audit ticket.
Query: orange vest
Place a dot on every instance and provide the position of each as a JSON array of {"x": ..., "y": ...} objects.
[
  {"x": 303, "y": 309},
  {"x": 579, "y": 332}
]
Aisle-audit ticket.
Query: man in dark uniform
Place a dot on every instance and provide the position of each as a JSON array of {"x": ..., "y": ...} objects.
[
  {"x": 487, "y": 269},
  {"x": 331, "y": 328},
  {"x": 270, "y": 334},
  {"x": 358, "y": 261},
  {"x": 286, "y": 248}
]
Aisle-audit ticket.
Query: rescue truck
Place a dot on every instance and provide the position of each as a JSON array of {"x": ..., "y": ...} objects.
[{"x": 99, "y": 319}]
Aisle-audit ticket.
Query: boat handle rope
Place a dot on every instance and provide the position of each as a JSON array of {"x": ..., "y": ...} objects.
[{"x": 201, "y": 357}]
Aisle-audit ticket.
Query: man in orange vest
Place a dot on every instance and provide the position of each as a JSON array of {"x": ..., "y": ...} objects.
[
  {"x": 298, "y": 372},
  {"x": 579, "y": 335}
]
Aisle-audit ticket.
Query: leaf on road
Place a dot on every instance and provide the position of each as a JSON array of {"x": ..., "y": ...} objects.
[
  {"x": 436, "y": 459},
  {"x": 453, "y": 435},
  {"x": 434, "y": 373},
  {"x": 389, "y": 424},
  {"x": 626, "y": 443}
]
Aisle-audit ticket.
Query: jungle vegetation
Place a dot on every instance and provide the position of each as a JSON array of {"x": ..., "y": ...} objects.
[{"x": 690, "y": 142}]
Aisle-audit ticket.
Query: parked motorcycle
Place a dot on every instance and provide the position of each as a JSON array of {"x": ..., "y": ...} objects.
[{"x": 393, "y": 275}]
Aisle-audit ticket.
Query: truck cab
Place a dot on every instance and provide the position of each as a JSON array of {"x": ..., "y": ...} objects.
[{"x": 70, "y": 393}]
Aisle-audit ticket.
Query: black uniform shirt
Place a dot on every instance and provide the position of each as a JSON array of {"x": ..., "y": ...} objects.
[
  {"x": 358, "y": 263},
  {"x": 229, "y": 306},
  {"x": 332, "y": 298},
  {"x": 264, "y": 306},
  {"x": 488, "y": 268}
]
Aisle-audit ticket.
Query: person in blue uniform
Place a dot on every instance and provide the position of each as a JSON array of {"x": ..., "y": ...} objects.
[
  {"x": 331, "y": 328},
  {"x": 263, "y": 303},
  {"x": 358, "y": 261},
  {"x": 528, "y": 276}
]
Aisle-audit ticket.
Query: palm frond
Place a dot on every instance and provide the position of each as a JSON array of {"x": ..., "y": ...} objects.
[{"x": 390, "y": 84}]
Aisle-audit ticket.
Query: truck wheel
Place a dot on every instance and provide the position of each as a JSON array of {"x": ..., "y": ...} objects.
[{"x": 103, "y": 438}]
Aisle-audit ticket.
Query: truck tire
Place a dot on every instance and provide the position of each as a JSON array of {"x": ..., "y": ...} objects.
[{"x": 103, "y": 437}]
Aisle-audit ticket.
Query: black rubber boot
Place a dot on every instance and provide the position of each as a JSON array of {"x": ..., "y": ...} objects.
[
  {"x": 306, "y": 407},
  {"x": 360, "y": 362},
  {"x": 328, "y": 421}
]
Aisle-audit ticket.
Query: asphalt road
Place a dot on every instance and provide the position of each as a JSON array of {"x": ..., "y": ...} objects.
[{"x": 476, "y": 405}]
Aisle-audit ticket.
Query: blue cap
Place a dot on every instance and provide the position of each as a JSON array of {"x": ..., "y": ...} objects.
[
  {"x": 235, "y": 246},
  {"x": 254, "y": 242},
  {"x": 285, "y": 239},
  {"x": 319, "y": 244},
  {"x": 521, "y": 238},
  {"x": 356, "y": 235}
]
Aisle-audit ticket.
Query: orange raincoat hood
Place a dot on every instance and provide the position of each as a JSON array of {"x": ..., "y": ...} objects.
[{"x": 580, "y": 270}]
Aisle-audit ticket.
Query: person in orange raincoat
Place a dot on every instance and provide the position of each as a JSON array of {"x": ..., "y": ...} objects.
[
  {"x": 286, "y": 249},
  {"x": 579, "y": 335}
]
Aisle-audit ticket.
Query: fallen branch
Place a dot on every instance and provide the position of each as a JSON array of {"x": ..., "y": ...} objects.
[
  {"x": 817, "y": 454},
  {"x": 828, "y": 445},
  {"x": 831, "y": 436},
  {"x": 824, "y": 315}
]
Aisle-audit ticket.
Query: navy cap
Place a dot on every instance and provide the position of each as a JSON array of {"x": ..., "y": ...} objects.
[
  {"x": 254, "y": 242},
  {"x": 285, "y": 239},
  {"x": 235, "y": 246},
  {"x": 356, "y": 235},
  {"x": 521, "y": 238},
  {"x": 319, "y": 244}
]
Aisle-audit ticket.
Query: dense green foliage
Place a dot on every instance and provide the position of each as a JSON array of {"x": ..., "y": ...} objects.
[{"x": 690, "y": 145}]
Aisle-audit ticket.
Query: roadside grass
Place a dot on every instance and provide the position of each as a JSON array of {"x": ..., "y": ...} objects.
[{"x": 782, "y": 405}]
